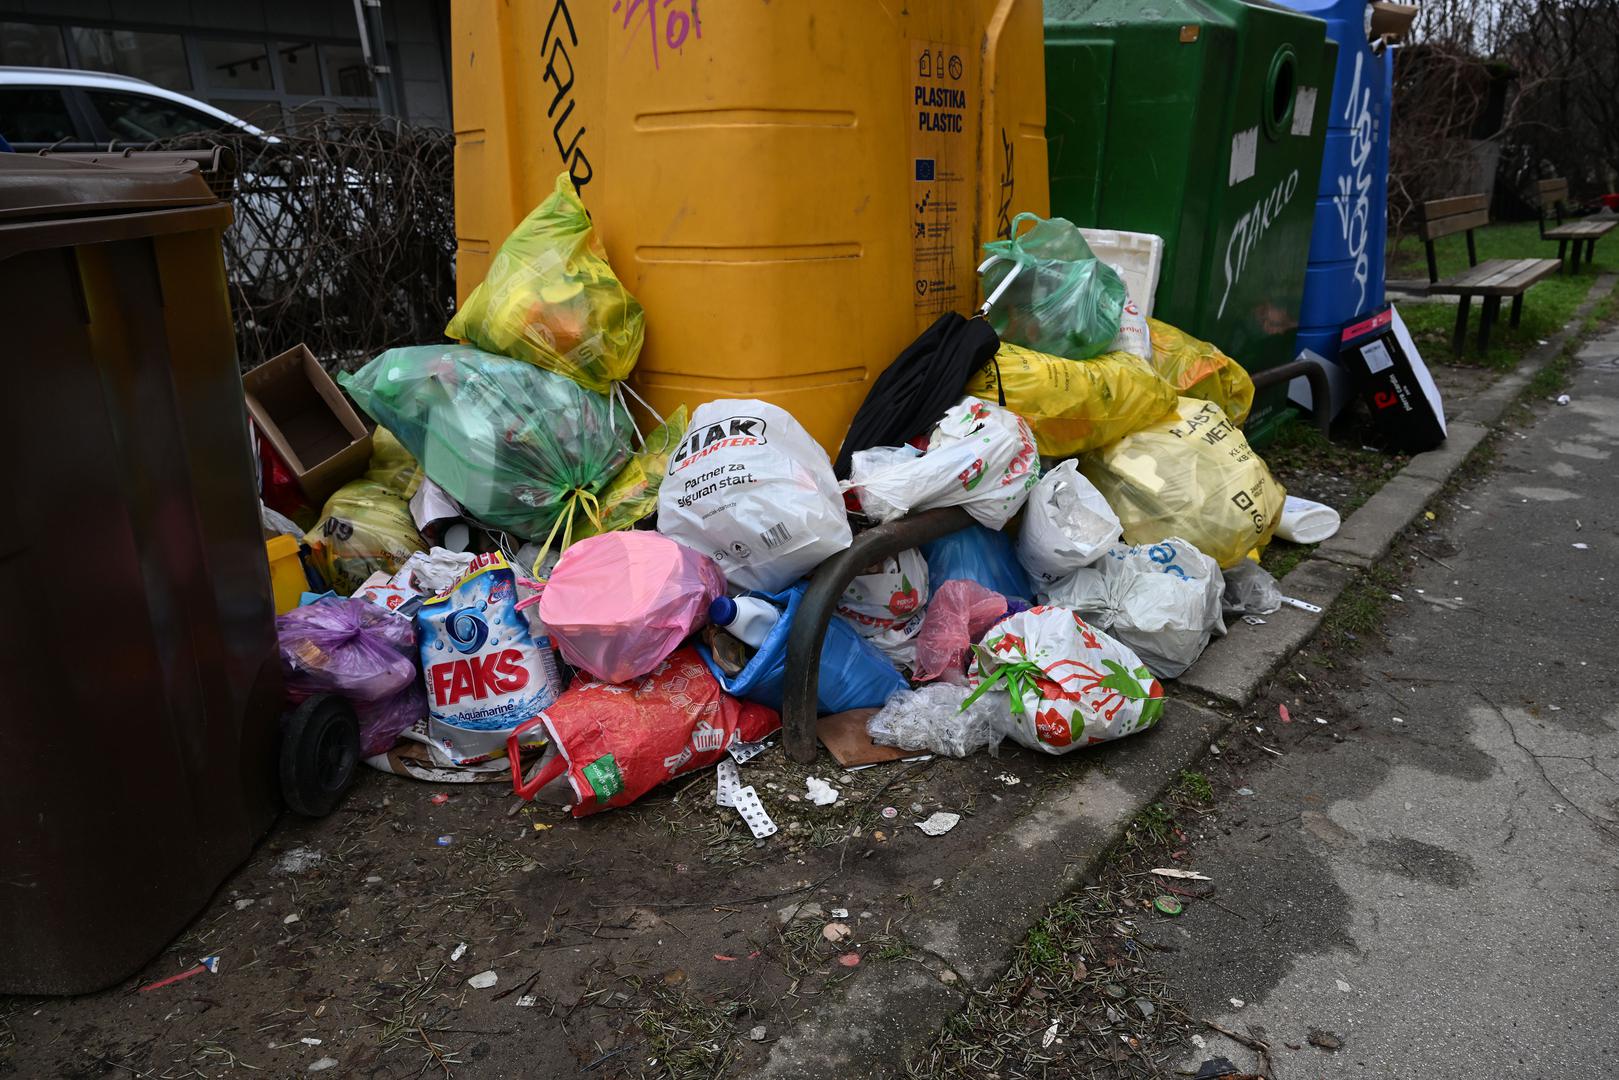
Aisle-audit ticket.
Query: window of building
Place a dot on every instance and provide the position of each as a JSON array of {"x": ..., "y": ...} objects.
[
  {"x": 236, "y": 65},
  {"x": 138, "y": 118},
  {"x": 300, "y": 68},
  {"x": 35, "y": 114},
  {"x": 31, "y": 45},
  {"x": 157, "y": 58},
  {"x": 346, "y": 73}
]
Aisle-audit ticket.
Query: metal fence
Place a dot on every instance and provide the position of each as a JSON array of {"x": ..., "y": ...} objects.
[{"x": 344, "y": 239}]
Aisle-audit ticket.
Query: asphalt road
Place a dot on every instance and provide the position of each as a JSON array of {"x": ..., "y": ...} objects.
[{"x": 1437, "y": 891}]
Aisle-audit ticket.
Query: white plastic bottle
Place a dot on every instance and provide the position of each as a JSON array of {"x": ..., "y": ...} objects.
[{"x": 745, "y": 618}]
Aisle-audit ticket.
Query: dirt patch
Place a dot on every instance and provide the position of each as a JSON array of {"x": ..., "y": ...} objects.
[{"x": 649, "y": 941}]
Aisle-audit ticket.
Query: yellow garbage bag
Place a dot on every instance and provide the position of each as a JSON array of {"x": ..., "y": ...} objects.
[
  {"x": 1199, "y": 370},
  {"x": 633, "y": 493},
  {"x": 1192, "y": 475},
  {"x": 364, "y": 528},
  {"x": 550, "y": 298},
  {"x": 392, "y": 465},
  {"x": 1075, "y": 405}
]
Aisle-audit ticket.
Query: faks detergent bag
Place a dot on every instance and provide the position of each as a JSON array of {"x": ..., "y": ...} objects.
[{"x": 485, "y": 672}]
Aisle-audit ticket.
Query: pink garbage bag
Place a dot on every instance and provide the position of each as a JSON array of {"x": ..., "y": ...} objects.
[
  {"x": 958, "y": 615},
  {"x": 618, "y": 604}
]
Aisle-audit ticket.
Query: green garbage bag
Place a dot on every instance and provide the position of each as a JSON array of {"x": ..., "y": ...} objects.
[
  {"x": 1064, "y": 300},
  {"x": 515, "y": 445}
]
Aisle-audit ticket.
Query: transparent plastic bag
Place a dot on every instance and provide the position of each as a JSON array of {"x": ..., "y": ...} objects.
[
  {"x": 360, "y": 651},
  {"x": 931, "y": 720},
  {"x": 958, "y": 615},
  {"x": 550, "y": 298},
  {"x": 1191, "y": 475},
  {"x": 1250, "y": 590},
  {"x": 1075, "y": 405},
  {"x": 1197, "y": 369},
  {"x": 1064, "y": 300},
  {"x": 363, "y": 528},
  {"x": 516, "y": 446}
]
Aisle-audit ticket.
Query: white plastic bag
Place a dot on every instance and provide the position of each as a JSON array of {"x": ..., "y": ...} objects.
[
  {"x": 1134, "y": 337},
  {"x": 1067, "y": 525},
  {"x": 980, "y": 457},
  {"x": 1162, "y": 600},
  {"x": 749, "y": 488},
  {"x": 1306, "y": 522},
  {"x": 886, "y": 604},
  {"x": 1065, "y": 684}
]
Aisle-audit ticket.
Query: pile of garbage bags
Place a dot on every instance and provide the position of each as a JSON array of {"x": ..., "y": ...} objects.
[{"x": 527, "y": 574}]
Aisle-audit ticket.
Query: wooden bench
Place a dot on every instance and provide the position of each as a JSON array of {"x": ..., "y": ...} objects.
[
  {"x": 1554, "y": 197},
  {"x": 1491, "y": 280}
]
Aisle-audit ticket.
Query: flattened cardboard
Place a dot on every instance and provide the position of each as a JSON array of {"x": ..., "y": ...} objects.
[
  {"x": 308, "y": 421},
  {"x": 844, "y": 736}
]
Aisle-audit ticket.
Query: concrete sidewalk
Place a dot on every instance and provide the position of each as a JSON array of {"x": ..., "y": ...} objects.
[{"x": 1435, "y": 890}]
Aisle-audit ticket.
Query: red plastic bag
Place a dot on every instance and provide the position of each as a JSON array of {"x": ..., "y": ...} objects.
[
  {"x": 616, "y": 742},
  {"x": 959, "y": 614}
]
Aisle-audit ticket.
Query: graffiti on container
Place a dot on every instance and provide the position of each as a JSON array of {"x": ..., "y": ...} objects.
[
  {"x": 1250, "y": 228},
  {"x": 1003, "y": 222},
  {"x": 667, "y": 22},
  {"x": 1356, "y": 185},
  {"x": 559, "y": 73}
]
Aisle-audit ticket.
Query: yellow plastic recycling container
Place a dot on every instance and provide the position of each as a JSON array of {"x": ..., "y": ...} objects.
[{"x": 793, "y": 190}]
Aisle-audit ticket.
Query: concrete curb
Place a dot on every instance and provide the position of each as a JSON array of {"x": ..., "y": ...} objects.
[{"x": 963, "y": 938}]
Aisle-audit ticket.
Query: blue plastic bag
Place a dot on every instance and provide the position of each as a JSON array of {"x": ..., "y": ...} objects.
[
  {"x": 854, "y": 675},
  {"x": 982, "y": 555}
]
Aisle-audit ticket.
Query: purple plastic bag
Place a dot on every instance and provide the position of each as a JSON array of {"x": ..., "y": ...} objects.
[{"x": 362, "y": 652}]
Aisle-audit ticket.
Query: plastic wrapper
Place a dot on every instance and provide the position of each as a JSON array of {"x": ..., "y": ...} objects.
[
  {"x": 1162, "y": 600},
  {"x": 853, "y": 674},
  {"x": 931, "y": 720},
  {"x": 958, "y": 615},
  {"x": 1066, "y": 525},
  {"x": 980, "y": 457},
  {"x": 364, "y": 528},
  {"x": 633, "y": 494},
  {"x": 1191, "y": 475},
  {"x": 1134, "y": 337},
  {"x": 979, "y": 555},
  {"x": 615, "y": 743},
  {"x": 516, "y": 446},
  {"x": 1063, "y": 684},
  {"x": 1196, "y": 369},
  {"x": 551, "y": 299},
  {"x": 392, "y": 466},
  {"x": 617, "y": 605},
  {"x": 1075, "y": 405},
  {"x": 361, "y": 652},
  {"x": 885, "y": 604},
  {"x": 1064, "y": 301},
  {"x": 1250, "y": 590},
  {"x": 749, "y": 488},
  {"x": 484, "y": 670}
]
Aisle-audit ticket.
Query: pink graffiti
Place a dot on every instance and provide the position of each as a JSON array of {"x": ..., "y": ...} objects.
[{"x": 668, "y": 22}]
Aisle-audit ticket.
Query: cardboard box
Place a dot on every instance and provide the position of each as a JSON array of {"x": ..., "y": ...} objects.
[
  {"x": 1395, "y": 382},
  {"x": 1392, "y": 21},
  {"x": 308, "y": 421}
]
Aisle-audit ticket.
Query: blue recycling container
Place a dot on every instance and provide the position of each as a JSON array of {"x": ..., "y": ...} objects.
[{"x": 1345, "y": 276}]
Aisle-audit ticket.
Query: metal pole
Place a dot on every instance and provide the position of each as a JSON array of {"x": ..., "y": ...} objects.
[{"x": 374, "y": 47}]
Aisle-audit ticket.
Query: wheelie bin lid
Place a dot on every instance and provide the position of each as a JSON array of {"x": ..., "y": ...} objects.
[{"x": 37, "y": 188}]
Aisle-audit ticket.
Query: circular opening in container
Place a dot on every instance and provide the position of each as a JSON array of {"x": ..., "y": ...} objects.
[{"x": 1280, "y": 86}]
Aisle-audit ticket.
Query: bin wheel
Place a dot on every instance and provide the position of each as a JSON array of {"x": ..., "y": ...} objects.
[{"x": 320, "y": 749}]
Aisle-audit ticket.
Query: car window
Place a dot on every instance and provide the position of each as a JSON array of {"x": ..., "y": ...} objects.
[
  {"x": 35, "y": 114},
  {"x": 138, "y": 118}
]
